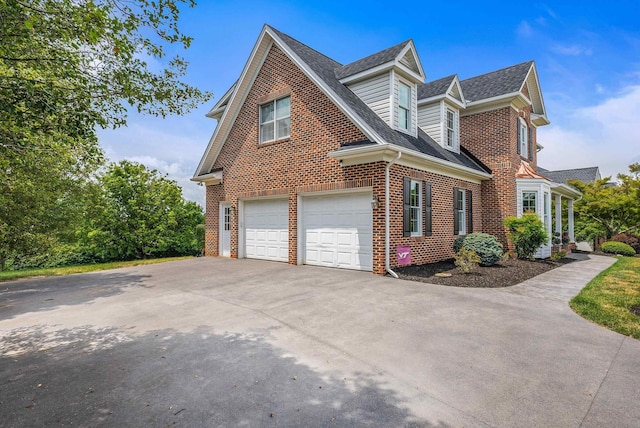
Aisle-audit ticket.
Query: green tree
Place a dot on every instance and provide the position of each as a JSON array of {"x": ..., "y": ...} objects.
[
  {"x": 607, "y": 210},
  {"x": 68, "y": 67},
  {"x": 138, "y": 214}
]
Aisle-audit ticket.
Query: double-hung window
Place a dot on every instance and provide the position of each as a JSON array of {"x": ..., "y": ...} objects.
[
  {"x": 523, "y": 138},
  {"x": 462, "y": 211},
  {"x": 415, "y": 201},
  {"x": 275, "y": 120},
  {"x": 404, "y": 106},
  {"x": 451, "y": 129}
]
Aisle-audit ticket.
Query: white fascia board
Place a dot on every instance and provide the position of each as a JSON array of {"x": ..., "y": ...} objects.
[
  {"x": 366, "y": 129},
  {"x": 565, "y": 190},
  {"x": 455, "y": 102},
  {"x": 534, "y": 71},
  {"x": 211, "y": 178},
  {"x": 404, "y": 51},
  {"x": 456, "y": 82},
  {"x": 514, "y": 99},
  {"x": 431, "y": 100},
  {"x": 539, "y": 119},
  {"x": 410, "y": 158},
  {"x": 365, "y": 74},
  {"x": 408, "y": 74},
  {"x": 222, "y": 102},
  {"x": 224, "y": 126}
]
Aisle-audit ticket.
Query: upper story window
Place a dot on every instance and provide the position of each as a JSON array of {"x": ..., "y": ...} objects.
[
  {"x": 404, "y": 106},
  {"x": 275, "y": 120},
  {"x": 452, "y": 129},
  {"x": 523, "y": 138}
]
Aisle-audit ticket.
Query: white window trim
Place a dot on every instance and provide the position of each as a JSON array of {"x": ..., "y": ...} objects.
[
  {"x": 419, "y": 207},
  {"x": 523, "y": 131},
  {"x": 455, "y": 143},
  {"x": 407, "y": 108},
  {"x": 274, "y": 121},
  {"x": 462, "y": 213},
  {"x": 535, "y": 202}
]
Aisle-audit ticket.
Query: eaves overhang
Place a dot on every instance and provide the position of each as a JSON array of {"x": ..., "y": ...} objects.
[
  {"x": 411, "y": 158},
  {"x": 209, "y": 179},
  {"x": 565, "y": 190}
]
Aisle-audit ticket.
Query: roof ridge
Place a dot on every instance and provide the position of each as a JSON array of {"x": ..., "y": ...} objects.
[
  {"x": 280, "y": 33},
  {"x": 379, "y": 52},
  {"x": 531, "y": 61}
]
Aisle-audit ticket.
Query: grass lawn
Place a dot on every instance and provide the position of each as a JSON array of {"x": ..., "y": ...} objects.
[
  {"x": 68, "y": 270},
  {"x": 606, "y": 300}
]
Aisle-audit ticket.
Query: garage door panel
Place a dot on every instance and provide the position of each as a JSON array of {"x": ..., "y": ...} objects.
[
  {"x": 337, "y": 231},
  {"x": 267, "y": 229}
]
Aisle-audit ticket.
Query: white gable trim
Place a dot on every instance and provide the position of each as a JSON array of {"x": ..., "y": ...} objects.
[
  {"x": 217, "y": 110},
  {"x": 535, "y": 95}
]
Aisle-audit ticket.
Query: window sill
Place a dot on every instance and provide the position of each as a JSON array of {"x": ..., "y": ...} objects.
[{"x": 271, "y": 143}]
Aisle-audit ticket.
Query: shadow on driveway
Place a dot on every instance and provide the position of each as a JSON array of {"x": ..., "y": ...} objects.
[
  {"x": 89, "y": 376},
  {"x": 30, "y": 295}
]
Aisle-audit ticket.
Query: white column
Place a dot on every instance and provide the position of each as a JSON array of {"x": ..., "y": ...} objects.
[
  {"x": 571, "y": 234},
  {"x": 559, "y": 215}
]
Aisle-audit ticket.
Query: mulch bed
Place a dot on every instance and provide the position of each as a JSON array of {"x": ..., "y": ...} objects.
[{"x": 503, "y": 274}]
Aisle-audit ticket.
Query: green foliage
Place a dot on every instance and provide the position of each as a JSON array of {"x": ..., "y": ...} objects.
[
  {"x": 466, "y": 260},
  {"x": 558, "y": 255},
  {"x": 486, "y": 246},
  {"x": 200, "y": 238},
  {"x": 527, "y": 233},
  {"x": 630, "y": 239},
  {"x": 621, "y": 248},
  {"x": 140, "y": 214},
  {"x": 607, "y": 210},
  {"x": 67, "y": 68},
  {"x": 54, "y": 256}
]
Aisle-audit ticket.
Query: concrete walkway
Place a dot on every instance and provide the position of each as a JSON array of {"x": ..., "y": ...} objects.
[{"x": 220, "y": 342}]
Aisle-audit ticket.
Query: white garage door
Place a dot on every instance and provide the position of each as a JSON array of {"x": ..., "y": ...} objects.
[
  {"x": 338, "y": 231},
  {"x": 266, "y": 229}
]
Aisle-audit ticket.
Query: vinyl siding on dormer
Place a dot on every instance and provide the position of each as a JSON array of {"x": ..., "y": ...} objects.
[
  {"x": 375, "y": 92},
  {"x": 430, "y": 121}
]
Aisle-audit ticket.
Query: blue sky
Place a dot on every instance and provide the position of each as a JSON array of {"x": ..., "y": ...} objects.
[{"x": 587, "y": 54}]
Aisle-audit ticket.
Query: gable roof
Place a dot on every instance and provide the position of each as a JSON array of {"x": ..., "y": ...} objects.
[
  {"x": 371, "y": 61},
  {"x": 322, "y": 71},
  {"x": 496, "y": 83},
  {"x": 586, "y": 175},
  {"x": 435, "y": 87}
]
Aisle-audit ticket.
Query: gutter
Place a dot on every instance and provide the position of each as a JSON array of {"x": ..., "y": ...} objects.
[{"x": 386, "y": 216}]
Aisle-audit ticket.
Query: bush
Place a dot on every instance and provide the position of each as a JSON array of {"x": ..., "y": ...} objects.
[
  {"x": 526, "y": 233},
  {"x": 613, "y": 247},
  {"x": 485, "y": 246},
  {"x": 57, "y": 256},
  {"x": 630, "y": 239},
  {"x": 466, "y": 260},
  {"x": 558, "y": 255}
]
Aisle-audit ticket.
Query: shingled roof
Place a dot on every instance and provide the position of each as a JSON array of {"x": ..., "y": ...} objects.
[
  {"x": 324, "y": 67},
  {"x": 586, "y": 175},
  {"x": 371, "y": 61},
  {"x": 435, "y": 88},
  {"x": 496, "y": 83}
]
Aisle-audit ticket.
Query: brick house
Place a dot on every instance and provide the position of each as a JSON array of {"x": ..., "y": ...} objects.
[{"x": 359, "y": 166}]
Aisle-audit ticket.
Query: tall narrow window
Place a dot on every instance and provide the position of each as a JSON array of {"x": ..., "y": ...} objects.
[
  {"x": 404, "y": 106},
  {"x": 275, "y": 120},
  {"x": 546, "y": 209},
  {"x": 523, "y": 138},
  {"x": 451, "y": 129},
  {"x": 412, "y": 207},
  {"x": 529, "y": 202},
  {"x": 459, "y": 211}
]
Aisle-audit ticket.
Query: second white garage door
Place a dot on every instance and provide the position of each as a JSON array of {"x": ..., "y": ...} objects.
[
  {"x": 337, "y": 231},
  {"x": 266, "y": 229}
]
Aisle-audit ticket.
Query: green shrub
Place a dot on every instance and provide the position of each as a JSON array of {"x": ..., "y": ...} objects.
[
  {"x": 55, "y": 256},
  {"x": 628, "y": 238},
  {"x": 486, "y": 246},
  {"x": 526, "y": 233},
  {"x": 558, "y": 255},
  {"x": 466, "y": 260},
  {"x": 614, "y": 247},
  {"x": 200, "y": 237}
]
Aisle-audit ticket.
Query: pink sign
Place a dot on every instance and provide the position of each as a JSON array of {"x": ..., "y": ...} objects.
[{"x": 404, "y": 254}]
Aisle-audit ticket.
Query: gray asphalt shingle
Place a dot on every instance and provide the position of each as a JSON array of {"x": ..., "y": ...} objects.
[
  {"x": 435, "y": 88},
  {"x": 586, "y": 175},
  {"x": 496, "y": 83},
  {"x": 370, "y": 61}
]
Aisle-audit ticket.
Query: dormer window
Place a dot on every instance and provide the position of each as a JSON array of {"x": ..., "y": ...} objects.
[
  {"x": 523, "y": 138},
  {"x": 404, "y": 106},
  {"x": 452, "y": 129}
]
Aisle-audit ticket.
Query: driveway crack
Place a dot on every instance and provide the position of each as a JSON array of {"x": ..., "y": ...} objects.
[{"x": 593, "y": 400}]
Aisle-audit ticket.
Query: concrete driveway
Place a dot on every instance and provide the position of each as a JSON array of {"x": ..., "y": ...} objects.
[{"x": 217, "y": 342}]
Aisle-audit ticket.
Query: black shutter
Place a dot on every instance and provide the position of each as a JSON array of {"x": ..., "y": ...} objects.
[
  {"x": 456, "y": 211},
  {"x": 518, "y": 133},
  {"x": 406, "y": 206},
  {"x": 469, "y": 211},
  {"x": 427, "y": 209}
]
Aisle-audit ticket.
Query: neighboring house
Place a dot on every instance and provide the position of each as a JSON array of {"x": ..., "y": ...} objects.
[
  {"x": 586, "y": 175},
  {"x": 315, "y": 162}
]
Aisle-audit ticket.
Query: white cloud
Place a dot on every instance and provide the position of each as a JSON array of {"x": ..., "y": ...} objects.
[
  {"x": 524, "y": 29},
  {"x": 571, "y": 50},
  {"x": 605, "y": 135}
]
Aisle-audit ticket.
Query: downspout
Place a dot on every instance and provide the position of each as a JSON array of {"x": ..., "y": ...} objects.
[{"x": 387, "y": 239}]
